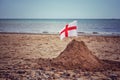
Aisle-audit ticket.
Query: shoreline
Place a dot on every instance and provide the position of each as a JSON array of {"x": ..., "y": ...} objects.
[{"x": 79, "y": 34}]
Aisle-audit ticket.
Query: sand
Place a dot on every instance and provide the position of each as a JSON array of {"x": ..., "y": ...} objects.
[
  {"x": 24, "y": 51},
  {"x": 77, "y": 56},
  {"x": 50, "y": 46}
]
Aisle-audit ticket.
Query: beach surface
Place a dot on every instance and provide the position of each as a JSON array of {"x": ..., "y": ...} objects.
[{"x": 20, "y": 54}]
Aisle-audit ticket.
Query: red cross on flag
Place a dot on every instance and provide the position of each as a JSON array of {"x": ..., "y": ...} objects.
[{"x": 69, "y": 30}]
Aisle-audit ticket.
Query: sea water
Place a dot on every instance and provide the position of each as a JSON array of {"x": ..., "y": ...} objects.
[{"x": 53, "y": 26}]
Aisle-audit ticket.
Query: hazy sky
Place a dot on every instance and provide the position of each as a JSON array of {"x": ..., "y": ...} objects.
[{"x": 59, "y": 8}]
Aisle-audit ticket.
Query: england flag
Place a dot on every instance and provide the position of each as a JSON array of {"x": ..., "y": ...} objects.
[{"x": 69, "y": 30}]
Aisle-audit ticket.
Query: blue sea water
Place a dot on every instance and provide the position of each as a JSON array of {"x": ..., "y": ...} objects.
[{"x": 110, "y": 26}]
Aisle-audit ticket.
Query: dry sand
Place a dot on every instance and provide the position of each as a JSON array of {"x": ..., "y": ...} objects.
[
  {"x": 50, "y": 46},
  {"x": 23, "y": 51}
]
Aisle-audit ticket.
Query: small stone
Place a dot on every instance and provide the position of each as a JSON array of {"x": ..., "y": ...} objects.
[
  {"x": 73, "y": 75},
  {"x": 21, "y": 72},
  {"x": 33, "y": 73},
  {"x": 38, "y": 73},
  {"x": 41, "y": 68},
  {"x": 52, "y": 69},
  {"x": 76, "y": 71},
  {"x": 113, "y": 77},
  {"x": 57, "y": 75},
  {"x": 6, "y": 75},
  {"x": 80, "y": 79},
  {"x": 65, "y": 75},
  {"x": 25, "y": 78},
  {"x": 86, "y": 74},
  {"x": 49, "y": 72},
  {"x": 45, "y": 76}
]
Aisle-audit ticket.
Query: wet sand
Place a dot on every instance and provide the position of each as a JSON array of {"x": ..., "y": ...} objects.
[{"x": 20, "y": 54}]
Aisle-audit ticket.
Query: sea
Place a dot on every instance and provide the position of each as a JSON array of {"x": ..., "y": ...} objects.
[{"x": 53, "y": 26}]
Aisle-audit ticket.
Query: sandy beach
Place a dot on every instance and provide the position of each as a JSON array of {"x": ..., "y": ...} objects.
[{"x": 23, "y": 51}]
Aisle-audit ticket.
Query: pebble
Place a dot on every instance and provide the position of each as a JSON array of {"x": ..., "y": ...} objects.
[
  {"x": 113, "y": 76},
  {"x": 41, "y": 68},
  {"x": 33, "y": 73},
  {"x": 42, "y": 74},
  {"x": 21, "y": 72}
]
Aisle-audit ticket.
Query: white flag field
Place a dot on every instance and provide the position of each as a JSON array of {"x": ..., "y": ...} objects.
[{"x": 69, "y": 30}]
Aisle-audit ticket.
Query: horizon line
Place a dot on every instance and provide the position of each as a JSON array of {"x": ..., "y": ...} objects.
[{"x": 59, "y": 18}]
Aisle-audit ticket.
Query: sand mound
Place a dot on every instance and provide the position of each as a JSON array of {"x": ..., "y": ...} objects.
[{"x": 77, "y": 55}]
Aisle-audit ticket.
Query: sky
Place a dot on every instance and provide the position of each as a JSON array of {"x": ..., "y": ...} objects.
[{"x": 60, "y": 9}]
